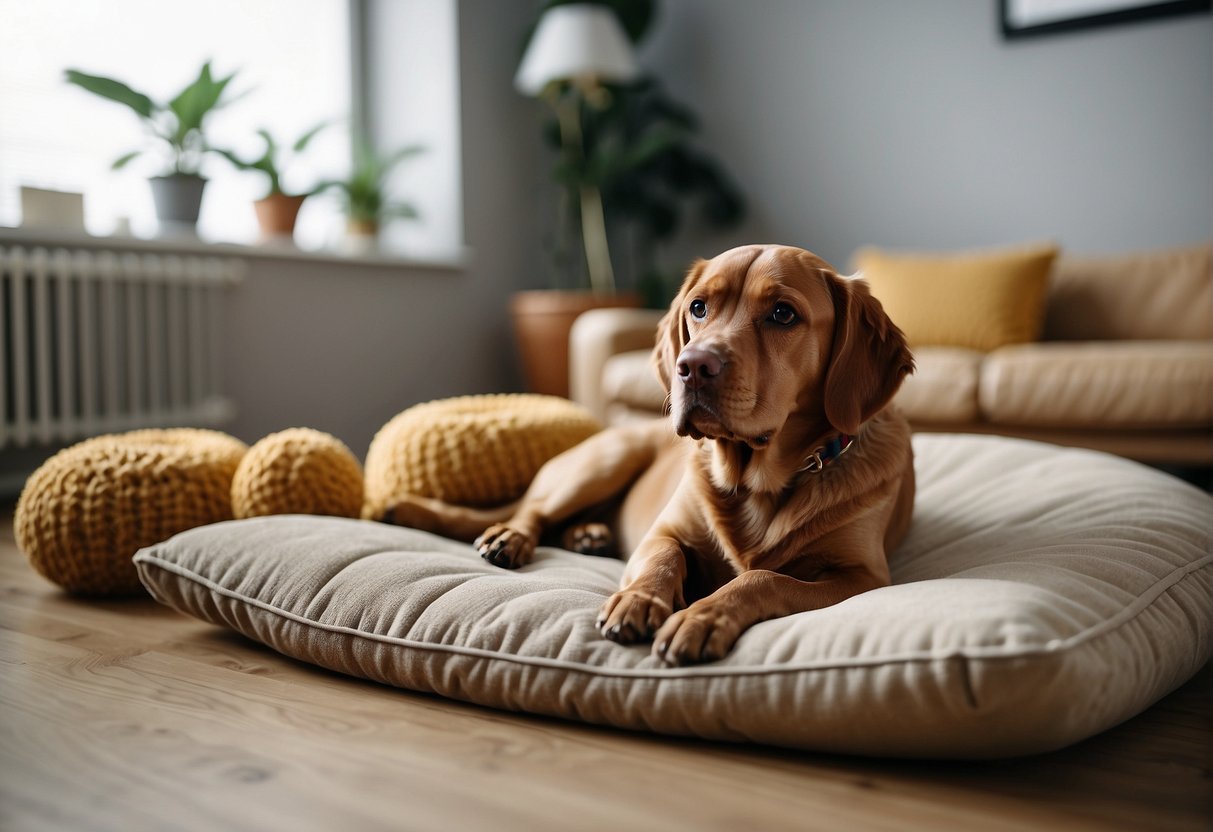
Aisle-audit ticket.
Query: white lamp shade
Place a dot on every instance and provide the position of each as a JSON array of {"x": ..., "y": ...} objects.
[{"x": 576, "y": 41}]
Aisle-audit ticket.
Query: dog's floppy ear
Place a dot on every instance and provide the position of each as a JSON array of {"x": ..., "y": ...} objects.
[
  {"x": 671, "y": 331},
  {"x": 870, "y": 357}
]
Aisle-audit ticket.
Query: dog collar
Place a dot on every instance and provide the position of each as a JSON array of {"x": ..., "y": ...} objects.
[{"x": 827, "y": 453}]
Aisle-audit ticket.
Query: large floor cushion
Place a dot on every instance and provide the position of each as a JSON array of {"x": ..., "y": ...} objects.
[{"x": 1042, "y": 595}]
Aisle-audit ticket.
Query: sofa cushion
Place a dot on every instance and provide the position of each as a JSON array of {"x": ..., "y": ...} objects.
[
  {"x": 628, "y": 378},
  {"x": 596, "y": 336},
  {"x": 1042, "y": 595},
  {"x": 1114, "y": 384},
  {"x": 977, "y": 300},
  {"x": 1154, "y": 295},
  {"x": 943, "y": 387}
]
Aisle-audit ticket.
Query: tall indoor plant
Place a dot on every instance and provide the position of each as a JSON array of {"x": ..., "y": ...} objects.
[
  {"x": 626, "y": 166},
  {"x": 177, "y": 132},
  {"x": 630, "y": 140},
  {"x": 278, "y": 209}
]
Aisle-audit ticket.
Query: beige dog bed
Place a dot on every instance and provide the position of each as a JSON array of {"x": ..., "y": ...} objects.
[{"x": 1043, "y": 595}]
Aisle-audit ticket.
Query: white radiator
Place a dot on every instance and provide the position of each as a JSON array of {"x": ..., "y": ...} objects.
[{"x": 102, "y": 341}]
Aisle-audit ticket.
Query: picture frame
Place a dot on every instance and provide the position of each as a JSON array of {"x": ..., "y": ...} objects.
[{"x": 1028, "y": 18}]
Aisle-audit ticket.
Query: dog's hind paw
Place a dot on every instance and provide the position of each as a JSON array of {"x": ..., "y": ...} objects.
[{"x": 589, "y": 539}]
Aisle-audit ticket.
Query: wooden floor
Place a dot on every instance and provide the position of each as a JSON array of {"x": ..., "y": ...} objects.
[{"x": 127, "y": 716}]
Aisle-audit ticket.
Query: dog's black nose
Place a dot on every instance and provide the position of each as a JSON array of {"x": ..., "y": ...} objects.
[{"x": 698, "y": 366}]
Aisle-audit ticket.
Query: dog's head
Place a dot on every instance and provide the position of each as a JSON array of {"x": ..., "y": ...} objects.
[{"x": 759, "y": 334}]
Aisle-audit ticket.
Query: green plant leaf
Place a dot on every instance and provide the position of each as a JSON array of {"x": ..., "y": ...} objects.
[
  {"x": 193, "y": 103},
  {"x": 363, "y": 212},
  {"x": 364, "y": 187},
  {"x": 652, "y": 144},
  {"x": 303, "y": 141},
  {"x": 399, "y": 210},
  {"x": 328, "y": 185},
  {"x": 399, "y": 156},
  {"x": 271, "y": 146},
  {"x": 263, "y": 164},
  {"x": 233, "y": 158},
  {"x": 569, "y": 174},
  {"x": 124, "y": 160},
  {"x": 114, "y": 91},
  {"x": 188, "y": 105}
]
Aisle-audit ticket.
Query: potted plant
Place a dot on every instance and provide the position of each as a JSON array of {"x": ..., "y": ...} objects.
[
  {"x": 364, "y": 193},
  {"x": 177, "y": 131},
  {"x": 277, "y": 210},
  {"x": 627, "y": 167},
  {"x": 657, "y": 175}
]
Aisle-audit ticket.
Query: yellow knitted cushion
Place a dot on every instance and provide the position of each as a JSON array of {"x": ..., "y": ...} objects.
[
  {"x": 90, "y": 507},
  {"x": 473, "y": 450},
  {"x": 298, "y": 471},
  {"x": 980, "y": 300}
]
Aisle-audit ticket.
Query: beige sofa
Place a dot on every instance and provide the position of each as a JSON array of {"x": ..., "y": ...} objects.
[{"x": 1125, "y": 364}]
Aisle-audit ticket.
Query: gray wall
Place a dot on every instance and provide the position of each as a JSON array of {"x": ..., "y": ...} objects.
[{"x": 913, "y": 124}]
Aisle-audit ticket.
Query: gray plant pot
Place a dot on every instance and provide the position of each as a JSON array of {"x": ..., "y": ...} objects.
[{"x": 178, "y": 199}]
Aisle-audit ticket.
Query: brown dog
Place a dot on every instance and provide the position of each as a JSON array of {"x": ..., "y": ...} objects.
[{"x": 792, "y": 485}]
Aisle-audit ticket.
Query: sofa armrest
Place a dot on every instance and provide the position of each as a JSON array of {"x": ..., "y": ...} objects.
[{"x": 596, "y": 336}]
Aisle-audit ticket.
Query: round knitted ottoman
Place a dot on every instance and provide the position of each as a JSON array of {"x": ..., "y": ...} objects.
[
  {"x": 298, "y": 471},
  {"x": 472, "y": 450},
  {"x": 90, "y": 507}
]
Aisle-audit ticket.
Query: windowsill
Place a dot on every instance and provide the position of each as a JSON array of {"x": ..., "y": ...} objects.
[{"x": 192, "y": 244}]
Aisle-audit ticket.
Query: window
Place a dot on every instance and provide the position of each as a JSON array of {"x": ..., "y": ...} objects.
[{"x": 291, "y": 56}]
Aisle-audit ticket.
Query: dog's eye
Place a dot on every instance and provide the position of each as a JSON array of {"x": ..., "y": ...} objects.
[
  {"x": 783, "y": 314},
  {"x": 699, "y": 309}
]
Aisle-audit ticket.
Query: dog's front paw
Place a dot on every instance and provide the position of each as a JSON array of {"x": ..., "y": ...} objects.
[
  {"x": 696, "y": 634},
  {"x": 632, "y": 615},
  {"x": 503, "y": 546}
]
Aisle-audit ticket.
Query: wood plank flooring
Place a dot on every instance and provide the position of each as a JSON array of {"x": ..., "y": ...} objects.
[{"x": 124, "y": 715}]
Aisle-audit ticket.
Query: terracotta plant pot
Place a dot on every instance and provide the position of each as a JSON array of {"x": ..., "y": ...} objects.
[
  {"x": 276, "y": 214},
  {"x": 542, "y": 321}
]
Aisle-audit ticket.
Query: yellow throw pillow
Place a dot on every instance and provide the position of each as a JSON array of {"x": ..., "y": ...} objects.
[{"x": 981, "y": 300}]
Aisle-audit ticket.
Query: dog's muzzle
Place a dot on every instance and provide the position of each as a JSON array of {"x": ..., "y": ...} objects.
[{"x": 699, "y": 367}]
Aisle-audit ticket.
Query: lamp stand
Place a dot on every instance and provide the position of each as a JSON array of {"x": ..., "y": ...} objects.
[{"x": 593, "y": 218}]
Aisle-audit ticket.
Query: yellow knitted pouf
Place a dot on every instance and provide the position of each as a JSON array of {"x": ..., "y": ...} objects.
[
  {"x": 90, "y": 507},
  {"x": 298, "y": 471},
  {"x": 472, "y": 450}
]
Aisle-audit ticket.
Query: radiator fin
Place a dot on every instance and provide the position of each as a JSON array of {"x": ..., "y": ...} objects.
[{"x": 103, "y": 341}]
